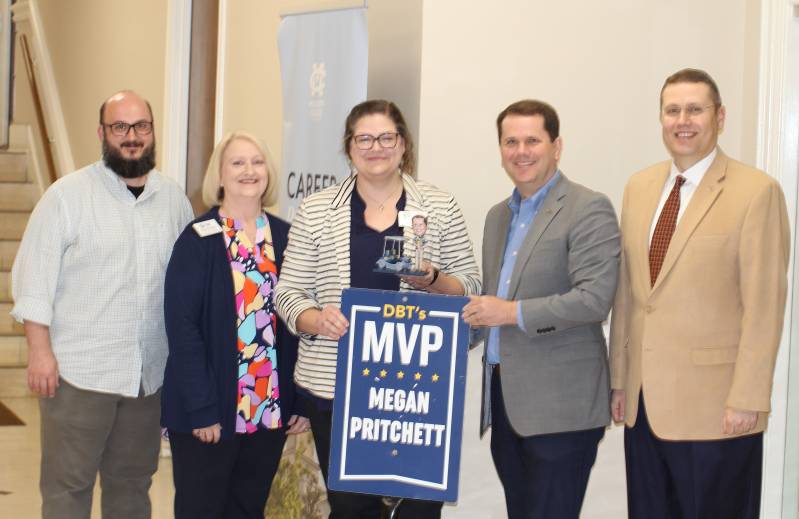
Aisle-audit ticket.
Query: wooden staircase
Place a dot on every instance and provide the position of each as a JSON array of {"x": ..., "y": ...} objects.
[{"x": 18, "y": 195}]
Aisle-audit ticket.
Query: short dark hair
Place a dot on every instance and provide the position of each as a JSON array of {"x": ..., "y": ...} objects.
[
  {"x": 102, "y": 109},
  {"x": 532, "y": 107},
  {"x": 693, "y": 75},
  {"x": 390, "y": 110}
]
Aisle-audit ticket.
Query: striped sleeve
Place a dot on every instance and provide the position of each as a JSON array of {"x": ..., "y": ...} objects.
[
  {"x": 296, "y": 289},
  {"x": 457, "y": 255}
]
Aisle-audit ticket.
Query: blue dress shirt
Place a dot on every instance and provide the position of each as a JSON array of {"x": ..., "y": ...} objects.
[{"x": 524, "y": 212}]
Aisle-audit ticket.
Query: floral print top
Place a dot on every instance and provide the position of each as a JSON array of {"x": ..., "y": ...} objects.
[{"x": 254, "y": 279}]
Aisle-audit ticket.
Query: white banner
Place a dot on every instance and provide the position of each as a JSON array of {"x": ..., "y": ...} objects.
[{"x": 323, "y": 62}]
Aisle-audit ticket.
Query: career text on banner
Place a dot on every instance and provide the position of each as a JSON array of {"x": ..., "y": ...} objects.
[{"x": 323, "y": 64}]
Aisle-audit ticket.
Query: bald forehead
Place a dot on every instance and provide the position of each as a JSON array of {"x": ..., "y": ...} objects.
[{"x": 125, "y": 105}]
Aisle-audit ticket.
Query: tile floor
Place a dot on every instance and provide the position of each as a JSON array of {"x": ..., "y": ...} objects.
[{"x": 480, "y": 491}]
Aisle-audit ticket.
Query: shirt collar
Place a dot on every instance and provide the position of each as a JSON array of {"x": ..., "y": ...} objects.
[
  {"x": 535, "y": 201},
  {"x": 694, "y": 174}
]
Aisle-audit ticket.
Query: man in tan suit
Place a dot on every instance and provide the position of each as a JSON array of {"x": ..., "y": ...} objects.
[{"x": 698, "y": 316}]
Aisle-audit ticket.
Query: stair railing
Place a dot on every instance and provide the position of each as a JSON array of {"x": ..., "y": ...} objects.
[
  {"x": 56, "y": 149},
  {"x": 49, "y": 160},
  {"x": 6, "y": 35}
]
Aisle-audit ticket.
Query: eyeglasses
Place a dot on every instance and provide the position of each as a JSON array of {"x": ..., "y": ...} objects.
[
  {"x": 121, "y": 129},
  {"x": 386, "y": 140},
  {"x": 674, "y": 111}
]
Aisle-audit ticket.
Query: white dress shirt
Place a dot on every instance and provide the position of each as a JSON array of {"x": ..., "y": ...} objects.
[
  {"x": 693, "y": 176},
  {"x": 91, "y": 267}
]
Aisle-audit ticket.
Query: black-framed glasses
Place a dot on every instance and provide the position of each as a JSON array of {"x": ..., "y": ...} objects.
[
  {"x": 121, "y": 129},
  {"x": 365, "y": 141}
]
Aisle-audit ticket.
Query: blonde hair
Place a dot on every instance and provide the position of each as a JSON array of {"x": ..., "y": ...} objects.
[{"x": 212, "y": 190}]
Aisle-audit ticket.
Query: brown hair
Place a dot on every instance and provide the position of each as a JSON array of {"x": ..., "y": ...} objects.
[
  {"x": 532, "y": 107},
  {"x": 693, "y": 75},
  {"x": 390, "y": 110}
]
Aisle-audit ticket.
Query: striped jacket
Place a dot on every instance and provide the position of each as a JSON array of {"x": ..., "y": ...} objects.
[{"x": 316, "y": 267}]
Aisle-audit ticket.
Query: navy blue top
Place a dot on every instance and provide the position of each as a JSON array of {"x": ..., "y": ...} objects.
[
  {"x": 201, "y": 377},
  {"x": 366, "y": 247}
]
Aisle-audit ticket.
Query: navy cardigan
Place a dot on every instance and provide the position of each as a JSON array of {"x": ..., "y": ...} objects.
[{"x": 201, "y": 377}]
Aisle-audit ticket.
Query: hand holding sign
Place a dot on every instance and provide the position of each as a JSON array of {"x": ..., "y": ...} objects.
[
  {"x": 328, "y": 322},
  {"x": 490, "y": 311}
]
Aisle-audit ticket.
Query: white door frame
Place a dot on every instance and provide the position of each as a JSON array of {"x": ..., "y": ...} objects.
[
  {"x": 176, "y": 90},
  {"x": 5, "y": 70},
  {"x": 777, "y": 153}
]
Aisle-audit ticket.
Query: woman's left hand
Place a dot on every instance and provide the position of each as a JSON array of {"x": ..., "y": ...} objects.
[
  {"x": 421, "y": 282},
  {"x": 298, "y": 424}
]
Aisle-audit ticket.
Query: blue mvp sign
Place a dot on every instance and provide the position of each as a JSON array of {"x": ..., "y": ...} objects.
[{"x": 398, "y": 406}]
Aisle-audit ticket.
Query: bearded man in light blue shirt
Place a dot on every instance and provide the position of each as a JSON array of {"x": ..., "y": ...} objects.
[
  {"x": 550, "y": 265},
  {"x": 88, "y": 285}
]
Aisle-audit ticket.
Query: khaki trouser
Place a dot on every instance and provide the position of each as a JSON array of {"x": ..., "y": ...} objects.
[{"x": 84, "y": 432}]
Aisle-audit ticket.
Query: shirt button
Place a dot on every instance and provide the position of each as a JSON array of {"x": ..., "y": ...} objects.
[
  {"x": 514, "y": 252},
  {"x": 507, "y": 282},
  {"x": 648, "y": 309},
  {"x": 522, "y": 226}
]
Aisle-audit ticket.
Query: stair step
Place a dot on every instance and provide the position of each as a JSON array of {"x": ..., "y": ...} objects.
[
  {"x": 18, "y": 196},
  {"x": 13, "y": 352},
  {"x": 14, "y": 382},
  {"x": 8, "y": 250},
  {"x": 8, "y": 326},
  {"x": 13, "y": 166},
  {"x": 18, "y": 136},
  {"x": 12, "y": 225}
]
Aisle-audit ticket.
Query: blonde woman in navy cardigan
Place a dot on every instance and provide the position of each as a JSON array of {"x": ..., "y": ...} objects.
[
  {"x": 228, "y": 398},
  {"x": 336, "y": 237}
]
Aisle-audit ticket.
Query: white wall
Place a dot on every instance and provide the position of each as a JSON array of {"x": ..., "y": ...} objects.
[
  {"x": 252, "y": 97},
  {"x": 601, "y": 64},
  {"x": 98, "y": 48}
]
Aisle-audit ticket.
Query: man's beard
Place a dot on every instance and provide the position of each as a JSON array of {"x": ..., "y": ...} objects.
[{"x": 129, "y": 168}]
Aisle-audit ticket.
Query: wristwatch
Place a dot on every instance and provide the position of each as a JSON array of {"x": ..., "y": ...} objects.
[{"x": 436, "y": 272}]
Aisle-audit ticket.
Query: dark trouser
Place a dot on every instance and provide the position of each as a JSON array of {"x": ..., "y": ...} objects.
[
  {"x": 226, "y": 480},
  {"x": 543, "y": 476},
  {"x": 715, "y": 479},
  {"x": 84, "y": 432},
  {"x": 348, "y": 505}
]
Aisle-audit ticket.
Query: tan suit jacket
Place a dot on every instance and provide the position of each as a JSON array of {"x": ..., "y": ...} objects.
[{"x": 705, "y": 337}]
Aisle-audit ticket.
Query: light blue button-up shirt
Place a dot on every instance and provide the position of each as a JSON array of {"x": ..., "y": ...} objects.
[
  {"x": 91, "y": 267},
  {"x": 524, "y": 212}
]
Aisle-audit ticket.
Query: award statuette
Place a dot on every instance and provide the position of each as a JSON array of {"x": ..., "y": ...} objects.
[
  {"x": 419, "y": 225},
  {"x": 395, "y": 261}
]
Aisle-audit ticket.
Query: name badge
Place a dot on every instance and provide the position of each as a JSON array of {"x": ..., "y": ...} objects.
[{"x": 207, "y": 228}]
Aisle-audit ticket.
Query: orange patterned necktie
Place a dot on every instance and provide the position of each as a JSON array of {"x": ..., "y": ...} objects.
[{"x": 664, "y": 229}]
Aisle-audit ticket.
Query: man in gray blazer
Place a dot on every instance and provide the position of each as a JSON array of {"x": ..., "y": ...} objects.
[{"x": 550, "y": 264}]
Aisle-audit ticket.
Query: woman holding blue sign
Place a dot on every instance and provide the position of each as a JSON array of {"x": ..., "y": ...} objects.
[
  {"x": 228, "y": 398},
  {"x": 355, "y": 235}
]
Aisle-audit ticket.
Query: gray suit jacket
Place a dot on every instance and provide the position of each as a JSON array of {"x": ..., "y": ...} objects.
[{"x": 555, "y": 375}]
